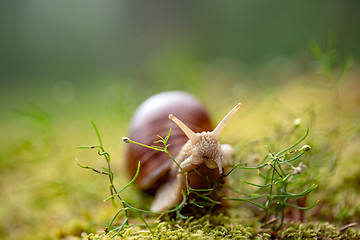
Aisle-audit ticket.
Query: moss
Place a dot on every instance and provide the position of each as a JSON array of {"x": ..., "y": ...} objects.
[
  {"x": 221, "y": 226},
  {"x": 318, "y": 231},
  {"x": 218, "y": 226}
]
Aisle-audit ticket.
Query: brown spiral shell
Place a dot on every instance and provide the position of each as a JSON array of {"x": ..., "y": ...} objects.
[{"x": 149, "y": 121}]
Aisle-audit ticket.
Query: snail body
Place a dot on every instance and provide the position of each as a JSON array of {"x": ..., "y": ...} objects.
[{"x": 192, "y": 144}]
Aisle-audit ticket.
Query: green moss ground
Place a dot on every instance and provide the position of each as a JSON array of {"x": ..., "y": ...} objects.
[
  {"x": 45, "y": 195},
  {"x": 219, "y": 226}
]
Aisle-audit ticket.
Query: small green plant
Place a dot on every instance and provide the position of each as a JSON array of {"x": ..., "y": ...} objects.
[
  {"x": 329, "y": 60},
  {"x": 277, "y": 171},
  {"x": 115, "y": 194}
]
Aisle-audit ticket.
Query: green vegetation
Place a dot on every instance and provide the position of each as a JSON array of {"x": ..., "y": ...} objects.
[
  {"x": 276, "y": 178},
  {"x": 293, "y": 64},
  {"x": 45, "y": 195}
]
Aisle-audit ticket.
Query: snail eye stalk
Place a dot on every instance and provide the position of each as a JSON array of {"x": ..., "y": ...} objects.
[{"x": 188, "y": 132}]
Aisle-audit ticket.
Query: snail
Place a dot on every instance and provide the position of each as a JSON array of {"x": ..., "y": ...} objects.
[{"x": 193, "y": 144}]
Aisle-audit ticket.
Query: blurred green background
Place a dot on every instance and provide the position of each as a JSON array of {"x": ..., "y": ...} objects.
[{"x": 63, "y": 62}]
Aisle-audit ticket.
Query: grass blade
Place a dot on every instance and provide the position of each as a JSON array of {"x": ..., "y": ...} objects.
[
  {"x": 97, "y": 133},
  {"x": 127, "y": 185},
  {"x": 295, "y": 144},
  {"x": 302, "y": 208}
]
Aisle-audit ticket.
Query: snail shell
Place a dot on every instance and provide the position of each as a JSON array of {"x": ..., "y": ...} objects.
[
  {"x": 191, "y": 144},
  {"x": 149, "y": 121}
]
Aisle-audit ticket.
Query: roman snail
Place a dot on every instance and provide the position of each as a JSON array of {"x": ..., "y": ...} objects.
[{"x": 193, "y": 145}]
